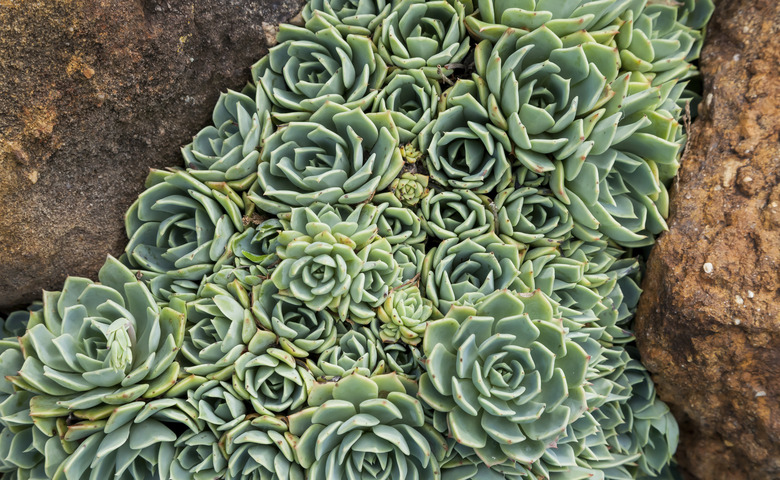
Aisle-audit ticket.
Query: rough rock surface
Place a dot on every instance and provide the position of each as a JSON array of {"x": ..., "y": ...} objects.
[
  {"x": 708, "y": 324},
  {"x": 92, "y": 94}
]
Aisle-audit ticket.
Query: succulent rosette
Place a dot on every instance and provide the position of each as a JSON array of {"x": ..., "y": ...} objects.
[
  {"x": 532, "y": 216},
  {"x": 412, "y": 100},
  {"x": 332, "y": 257},
  {"x": 179, "y": 228},
  {"x": 396, "y": 223},
  {"x": 410, "y": 188},
  {"x": 503, "y": 377},
  {"x": 357, "y": 350},
  {"x": 424, "y": 35},
  {"x": 464, "y": 150},
  {"x": 410, "y": 260},
  {"x": 261, "y": 448},
  {"x": 316, "y": 65},
  {"x": 340, "y": 156},
  {"x": 456, "y": 214},
  {"x": 366, "y": 428},
  {"x": 354, "y": 16},
  {"x": 198, "y": 457},
  {"x": 301, "y": 331},
  {"x": 254, "y": 248},
  {"x": 100, "y": 343},
  {"x": 228, "y": 151},
  {"x": 465, "y": 270},
  {"x": 404, "y": 316}
]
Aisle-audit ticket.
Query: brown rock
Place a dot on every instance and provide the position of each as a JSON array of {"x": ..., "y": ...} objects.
[
  {"x": 708, "y": 324},
  {"x": 92, "y": 94}
]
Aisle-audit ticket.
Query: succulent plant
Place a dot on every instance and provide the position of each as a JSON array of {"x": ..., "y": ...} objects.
[
  {"x": 317, "y": 65},
  {"x": 228, "y": 150},
  {"x": 340, "y": 156},
  {"x": 456, "y": 214},
  {"x": 261, "y": 448},
  {"x": 179, "y": 228},
  {"x": 412, "y": 100},
  {"x": 357, "y": 350},
  {"x": 409, "y": 188},
  {"x": 366, "y": 428},
  {"x": 465, "y": 270},
  {"x": 410, "y": 260},
  {"x": 354, "y": 16},
  {"x": 114, "y": 344},
  {"x": 404, "y": 316},
  {"x": 396, "y": 223},
  {"x": 301, "y": 331},
  {"x": 424, "y": 35},
  {"x": 333, "y": 258},
  {"x": 277, "y": 313},
  {"x": 505, "y": 376},
  {"x": 464, "y": 149}
]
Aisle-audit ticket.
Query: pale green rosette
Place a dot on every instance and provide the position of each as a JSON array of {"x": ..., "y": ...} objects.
[
  {"x": 339, "y": 156},
  {"x": 332, "y": 258},
  {"x": 456, "y": 214},
  {"x": 366, "y": 428},
  {"x": 197, "y": 457},
  {"x": 179, "y": 228},
  {"x": 464, "y": 149},
  {"x": 317, "y": 65},
  {"x": 397, "y": 224},
  {"x": 424, "y": 35},
  {"x": 261, "y": 448},
  {"x": 404, "y": 316},
  {"x": 502, "y": 376},
  {"x": 229, "y": 150},
  {"x": 410, "y": 260},
  {"x": 351, "y": 16},
  {"x": 410, "y": 188},
  {"x": 532, "y": 216},
  {"x": 357, "y": 351},
  {"x": 412, "y": 100},
  {"x": 466, "y": 270},
  {"x": 301, "y": 331},
  {"x": 99, "y": 343}
]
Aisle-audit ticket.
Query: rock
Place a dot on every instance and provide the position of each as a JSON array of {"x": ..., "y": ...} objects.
[
  {"x": 92, "y": 94},
  {"x": 708, "y": 324}
]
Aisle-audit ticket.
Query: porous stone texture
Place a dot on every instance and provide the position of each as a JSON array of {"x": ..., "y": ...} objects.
[
  {"x": 92, "y": 94},
  {"x": 708, "y": 324}
]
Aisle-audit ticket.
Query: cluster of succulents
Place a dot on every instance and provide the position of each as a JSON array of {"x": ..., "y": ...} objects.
[{"x": 408, "y": 248}]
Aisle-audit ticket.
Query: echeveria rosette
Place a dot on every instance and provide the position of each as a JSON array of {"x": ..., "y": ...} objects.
[
  {"x": 332, "y": 258},
  {"x": 397, "y": 224},
  {"x": 350, "y": 16},
  {"x": 410, "y": 260},
  {"x": 261, "y": 448},
  {"x": 316, "y": 65},
  {"x": 424, "y": 35},
  {"x": 271, "y": 380},
  {"x": 410, "y": 188},
  {"x": 404, "y": 316},
  {"x": 465, "y": 270},
  {"x": 357, "y": 350},
  {"x": 462, "y": 463},
  {"x": 464, "y": 150},
  {"x": 363, "y": 427},
  {"x": 456, "y": 214},
  {"x": 532, "y": 216},
  {"x": 220, "y": 327},
  {"x": 197, "y": 457},
  {"x": 412, "y": 100},
  {"x": 100, "y": 343},
  {"x": 254, "y": 248},
  {"x": 229, "y": 150},
  {"x": 339, "y": 156},
  {"x": 178, "y": 229},
  {"x": 301, "y": 331},
  {"x": 503, "y": 377}
]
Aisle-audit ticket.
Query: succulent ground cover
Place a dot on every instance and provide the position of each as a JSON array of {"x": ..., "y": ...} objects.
[{"x": 410, "y": 247}]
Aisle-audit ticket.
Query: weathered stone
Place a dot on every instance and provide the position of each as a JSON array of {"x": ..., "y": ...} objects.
[
  {"x": 708, "y": 324},
  {"x": 92, "y": 94}
]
